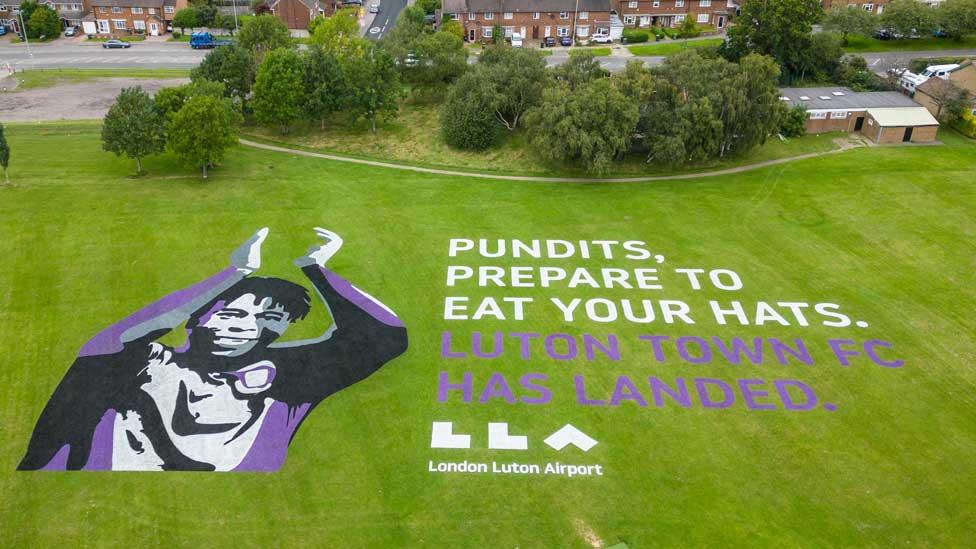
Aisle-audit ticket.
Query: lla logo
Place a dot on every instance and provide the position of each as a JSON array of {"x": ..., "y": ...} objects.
[{"x": 443, "y": 436}]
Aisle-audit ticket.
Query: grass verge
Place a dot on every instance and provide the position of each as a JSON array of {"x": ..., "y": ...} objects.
[
  {"x": 671, "y": 48},
  {"x": 859, "y": 44},
  {"x": 45, "y": 78}
]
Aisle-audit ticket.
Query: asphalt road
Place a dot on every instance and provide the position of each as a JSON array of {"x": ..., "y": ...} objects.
[
  {"x": 385, "y": 19},
  {"x": 65, "y": 54}
]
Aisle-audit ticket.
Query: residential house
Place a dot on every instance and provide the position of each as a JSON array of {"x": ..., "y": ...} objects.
[
  {"x": 963, "y": 76},
  {"x": 671, "y": 13},
  {"x": 883, "y": 117},
  {"x": 872, "y": 6},
  {"x": 532, "y": 19},
  {"x": 120, "y": 18},
  {"x": 8, "y": 14},
  {"x": 297, "y": 13},
  {"x": 70, "y": 11}
]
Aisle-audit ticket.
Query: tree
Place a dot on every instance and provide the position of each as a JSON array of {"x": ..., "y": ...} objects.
[
  {"x": 429, "y": 6},
  {"x": 170, "y": 100},
  {"x": 853, "y": 72},
  {"x": 335, "y": 32},
  {"x": 453, "y": 27},
  {"x": 957, "y": 18},
  {"x": 43, "y": 22},
  {"x": 517, "y": 77},
  {"x": 202, "y": 131},
  {"x": 279, "y": 89},
  {"x": 27, "y": 8},
  {"x": 206, "y": 15},
  {"x": 794, "y": 122},
  {"x": 226, "y": 22},
  {"x": 132, "y": 127},
  {"x": 778, "y": 28},
  {"x": 950, "y": 99},
  {"x": 373, "y": 84},
  {"x": 908, "y": 17},
  {"x": 468, "y": 117},
  {"x": 440, "y": 59},
  {"x": 688, "y": 29},
  {"x": 230, "y": 65},
  {"x": 497, "y": 34},
  {"x": 263, "y": 34},
  {"x": 186, "y": 18},
  {"x": 820, "y": 60},
  {"x": 848, "y": 21},
  {"x": 4, "y": 154},
  {"x": 324, "y": 83},
  {"x": 579, "y": 69},
  {"x": 591, "y": 125}
]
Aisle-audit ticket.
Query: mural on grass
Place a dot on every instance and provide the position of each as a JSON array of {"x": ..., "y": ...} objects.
[{"x": 230, "y": 398}]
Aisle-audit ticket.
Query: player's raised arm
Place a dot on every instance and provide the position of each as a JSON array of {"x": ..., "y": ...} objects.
[{"x": 172, "y": 310}]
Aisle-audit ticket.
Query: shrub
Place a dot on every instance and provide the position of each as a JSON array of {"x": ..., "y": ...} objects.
[
  {"x": 177, "y": 34},
  {"x": 636, "y": 36},
  {"x": 794, "y": 122},
  {"x": 966, "y": 124},
  {"x": 468, "y": 117},
  {"x": 688, "y": 29}
]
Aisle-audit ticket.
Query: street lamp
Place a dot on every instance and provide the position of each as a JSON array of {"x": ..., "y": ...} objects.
[
  {"x": 23, "y": 29},
  {"x": 236, "y": 28}
]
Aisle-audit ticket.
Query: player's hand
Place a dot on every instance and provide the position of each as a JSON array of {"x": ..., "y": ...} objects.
[
  {"x": 247, "y": 257},
  {"x": 320, "y": 254}
]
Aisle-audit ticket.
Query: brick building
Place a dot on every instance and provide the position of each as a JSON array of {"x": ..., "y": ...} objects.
[
  {"x": 671, "y": 13},
  {"x": 121, "y": 18},
  {"x": 296, "y": 14},
  {"x": 533, "y": 19},
  {"x": 883, "y": 117}
]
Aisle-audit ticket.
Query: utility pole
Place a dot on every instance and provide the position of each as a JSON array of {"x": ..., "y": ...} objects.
[
  {"x": 575, "y": 15},
  {"x": 23, "y": 29},
  {"x": 236, "y": 28}
]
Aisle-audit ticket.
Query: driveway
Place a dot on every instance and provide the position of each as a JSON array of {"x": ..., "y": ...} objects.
[{"x": 71, "y": 101}]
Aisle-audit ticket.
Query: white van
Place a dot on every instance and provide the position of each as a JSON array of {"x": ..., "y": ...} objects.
[{"x": 516, "y": 40}]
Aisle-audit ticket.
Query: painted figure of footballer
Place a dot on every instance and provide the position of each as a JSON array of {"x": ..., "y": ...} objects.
[{"x": 230, "y": 398}]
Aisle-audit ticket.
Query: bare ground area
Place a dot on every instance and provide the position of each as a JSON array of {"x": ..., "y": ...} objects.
[{"x": 77, "y": 101}]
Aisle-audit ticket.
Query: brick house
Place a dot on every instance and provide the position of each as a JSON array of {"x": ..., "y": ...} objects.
[
  {"x": 874, "y": 6},
  {"x": 297, "y": 13},
  {"x": 7, "y": 16},
  {"x": 533, "y": 19},
  {"x": 671, "y": 13},
  {"x": 120, "y": 18},
  {"x": 70, "y": 11},
  {"x": 963, "y": 76},
  {"x": 883, "y": 117}
]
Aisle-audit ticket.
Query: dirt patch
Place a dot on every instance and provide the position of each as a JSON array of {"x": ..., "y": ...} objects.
[
  {"x": 80, "y": 101},
  {"x": 584, "y": 531}
]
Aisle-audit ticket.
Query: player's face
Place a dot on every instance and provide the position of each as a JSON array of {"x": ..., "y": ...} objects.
[{"x": 238, "y": 326}]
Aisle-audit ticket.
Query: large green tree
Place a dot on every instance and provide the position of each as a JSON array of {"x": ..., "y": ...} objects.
[
  {"x": 4, "y": 154},
  {"x": 186, "y": 18},
  {"x": 43, "y": 22},
  {"x": 909, "y": 17},
  {"x": 780, "y": 29},
  {"x": 132, "y": 127},
  {"x": 957, "y": 18},
  {"x": 373, "y": 84},
  {"x": 202, "y": 130},
  {"x": 325, "y": 90},
  {"x": 262, "y": 34},
  {"x": 468, "y": 118},
  {"x": 170, "y": 100},
  {"x": 231, "y": 65},
  {"x": 579, "y": 69},
  {"x": 517, "y": 77},
  {"x": 850, "y": 21},
  {"x": 589, "y": 126},
  {"x": 335, "y": 32},
  {"x": 279, "y": 89}
]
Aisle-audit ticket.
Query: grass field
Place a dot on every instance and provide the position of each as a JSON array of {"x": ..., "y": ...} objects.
[
  {"x": 876, "y": 230},
  {"x": 862, "y": 44},
  {"x": 671, "y": 48},
  {"x": 46, "y": 78},
  {"x": 414, "y": 138},
  {"x": 594, "y": 51}
]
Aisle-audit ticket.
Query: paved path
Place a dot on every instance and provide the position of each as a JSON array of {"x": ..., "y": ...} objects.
[{"x": 847, "y": 145}]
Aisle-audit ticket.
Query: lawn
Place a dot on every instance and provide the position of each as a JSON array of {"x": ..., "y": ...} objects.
[
  {"x": 857, "y": 44},
  {"x": 671, "y": 48},
  {"x": 877, "y": 231},
  {"x": 415, "y": 138},
  {"x": 45, "y": 78},
  {"x": 594, "y": 51}
]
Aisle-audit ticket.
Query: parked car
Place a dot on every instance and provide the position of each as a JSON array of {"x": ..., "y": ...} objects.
[
  {"x": 72, "y": 31},
  {"x": 3, "y": 30},
  {"x": 116, "y": 44},
  {"x": 548, "y": 42},
  {"x": 601, "y": 39},
  {"x": 410, "y": 60},
  {"x": 374, "y": 8},
  {"x": 516, "y": 40},
  {"x": 565, "y": 41}
]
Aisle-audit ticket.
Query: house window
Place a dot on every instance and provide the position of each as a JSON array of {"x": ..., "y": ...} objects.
[
  {"x": 535, "y": 15},
  {"x": 102, "y": 26},
  {"x": 655, "y": 4},
  {"x": 471, "y": 16},
  {"x": 139, "y": 25},
  {"x": 136, "y": 11},
  {"x": 679, "y": 3},
  {"x": 116, "y": 9},
  {"x": 837, "y": 115},
  {"x": 583, "y": 31},
  {"x": 705, "y": 3},
  {"x": 507, "y": 15},
  {"x": 818, "y": 115},
  {"x": 509, "y": 31},
  {"x": 169, "y": 9},
  {"x": 119, "y": 24},
  {"x": 77, "y": 7},
  {"x": 103, "y": 10},
  {"x": 564, "y": 15},
  {"x": 489, "y": 16},
  {"x": 486, "y": 32},
  {"x": 868, "y": 7},
  {"x": 562, "y": 31},
  {"x": 630, "y": 19},
  {"x": 679, "y": 18},
  {"x": 703, "y": 18},
  {"x": 584, "y": 15},
  {"x": 455, "y": 17},
  {"x": 631, "y": 4}
]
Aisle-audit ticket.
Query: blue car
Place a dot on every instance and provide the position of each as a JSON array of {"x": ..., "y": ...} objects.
[{"x": 3, "y": 30}]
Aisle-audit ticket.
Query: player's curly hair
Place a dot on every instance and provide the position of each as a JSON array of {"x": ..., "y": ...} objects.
[{"x": 292, "y": 297}]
